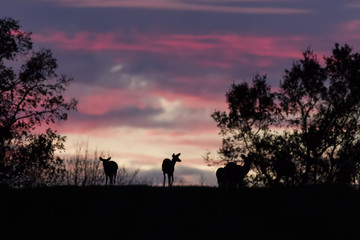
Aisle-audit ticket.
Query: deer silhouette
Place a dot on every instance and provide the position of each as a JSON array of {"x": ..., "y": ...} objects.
[
  {"x": 168, "y": 167},
  {"x": 221, "y": 177},
  {"x": 232, "y": 175},
  {"x": 347, "y": 170},
  {"x": 110, "y": 169},
  {"x": 284, "y": 168}
]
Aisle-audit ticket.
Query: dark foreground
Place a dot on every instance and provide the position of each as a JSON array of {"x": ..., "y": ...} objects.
[{"x": 140, "y": 212}]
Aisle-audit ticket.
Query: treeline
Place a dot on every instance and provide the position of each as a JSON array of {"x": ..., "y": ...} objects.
[
  {"x": 31, "y": 96},
  {"x": 310, "y": 122}
]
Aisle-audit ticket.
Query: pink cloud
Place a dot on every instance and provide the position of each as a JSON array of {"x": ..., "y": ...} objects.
[
  {"x": 88, "y": 41},
  {"x": 104, "y": 101},
  {"x": 98, "y": 100},
  {"x": 211, "y": 50},
  {"x": 107, "y": 107},
  {"x": 98, "y": 104},
  {"x": 350, "y": 30},
  {"x": 176, "y": 133}
]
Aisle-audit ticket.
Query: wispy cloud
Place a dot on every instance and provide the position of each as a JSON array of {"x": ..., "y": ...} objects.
[
  {"x": 221, "y": 50},
  {"x": 353, "y": 5},
  {"x": 208, "y": 6},
  {"x": 351, "y": 29}
]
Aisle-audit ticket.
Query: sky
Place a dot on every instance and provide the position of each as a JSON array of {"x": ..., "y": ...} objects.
[{"x": 149, "y": 73}]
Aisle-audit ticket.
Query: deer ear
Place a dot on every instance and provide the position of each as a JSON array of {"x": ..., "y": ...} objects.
[
  {"x": 173, "y": 155},
  {"x": 108, "y": 159},
  {"x": 101, "y": 159},
  {"x": 178, "y": 154}
]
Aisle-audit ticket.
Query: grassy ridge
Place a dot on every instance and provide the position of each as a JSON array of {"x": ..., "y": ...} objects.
[{"x": 142, "y": 212}]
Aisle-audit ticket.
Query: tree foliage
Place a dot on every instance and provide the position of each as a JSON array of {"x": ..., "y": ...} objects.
[
  {"x": 32, "y": 95},
  {"x": 312, "y": 120}
]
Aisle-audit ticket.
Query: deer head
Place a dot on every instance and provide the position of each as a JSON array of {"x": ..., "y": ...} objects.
[
  {"x": 175, "y": 157},
  {"x": 249, "y": 158},
  {"x": 105, "y": 160}
]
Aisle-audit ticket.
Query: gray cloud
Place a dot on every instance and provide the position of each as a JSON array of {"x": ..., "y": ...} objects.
[
  {"x": 39, "y": 14},
  {"x": 129, "y": 116}
]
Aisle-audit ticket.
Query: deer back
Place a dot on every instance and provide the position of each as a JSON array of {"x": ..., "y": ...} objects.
[
  {"x": 110, "y": 167},
  {"x": 221, "y": 176},
  {"x": 285, "y": 168},
  {"x": 167, "y": 166}
]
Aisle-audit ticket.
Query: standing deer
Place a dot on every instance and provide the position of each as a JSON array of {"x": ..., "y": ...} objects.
[
  {"x": 285, "y": 168},
  {"x": 347, "y": 171},
  {"x": 221, "y": 177},
  {"x": 168, "y": 167},
  {"x": 232, "y": 175},
  {"x": 110, "y": 169}
]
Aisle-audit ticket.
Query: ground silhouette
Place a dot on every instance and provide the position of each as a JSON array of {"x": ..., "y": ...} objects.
[{"x": 142, "y": 212}]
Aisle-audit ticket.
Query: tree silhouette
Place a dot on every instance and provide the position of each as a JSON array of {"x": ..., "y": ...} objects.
[
  {"x": 246, "y": 128},
  {"x": 312, "y": 121},
  {"x": 31, "y": 96}
]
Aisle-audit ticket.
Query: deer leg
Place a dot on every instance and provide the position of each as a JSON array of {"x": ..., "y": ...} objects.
[
  {"x": 106, "y": 180},
  {"x": 111, "y": 180},
  {"x": 164, "y": 179},
  {"x": 240, "y": 183},
  {"x": 277, "y": 180},
  {"x": 171, "y": 179}
]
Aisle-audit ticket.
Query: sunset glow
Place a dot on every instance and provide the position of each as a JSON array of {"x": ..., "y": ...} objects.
[{"x": 148, "y": 74}]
